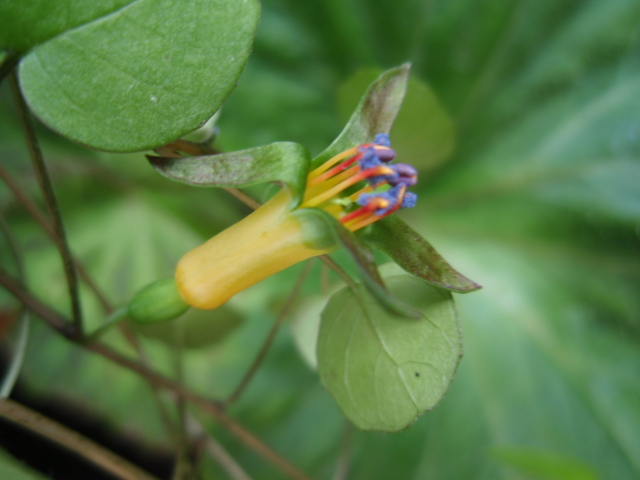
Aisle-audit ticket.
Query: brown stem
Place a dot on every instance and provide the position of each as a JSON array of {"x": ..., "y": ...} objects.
[
  {"x": 52, "y": 204},
  {"x": 192, "y": 148},
  {"x": 71, "y": 440},
  {"x": 33, "y": 210},
  {"x": 226, "y": 461},
  {"x": 266, "y": 345},
  {"x": 60, "y": 324}
]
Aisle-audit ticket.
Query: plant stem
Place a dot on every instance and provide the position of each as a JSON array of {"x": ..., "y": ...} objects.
[
  {"x": 268, "y": 341},
  {"x": 11, "y": 377},
  {"x": 72, "y": 440},
  {"x": 226, "y": 461},
  {"x": 52, "y": 204},
  {"x": 60, "y": 324},
  {"x": 8, "y": 64}
]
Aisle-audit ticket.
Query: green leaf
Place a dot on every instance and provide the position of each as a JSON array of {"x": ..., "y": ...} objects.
[
  {"x": 363, "y": 258},
  {"x": 32, "y": 22},
  {"x": 140, "y": 76},
  {"x": 413, "y": 253},
  {"x": 423, "y": 134},
  {"x": 281, "y": 161},
  {"x": 544, "y": 465},
  {"x": 383, "y": 371},
  {"x": 374, "y": 114}
]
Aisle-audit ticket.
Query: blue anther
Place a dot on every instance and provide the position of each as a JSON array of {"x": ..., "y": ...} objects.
[
  {"x": 409, "y": 200},
  {"x": 369, "y": 158},
  {"x": 382, "y": 139}
]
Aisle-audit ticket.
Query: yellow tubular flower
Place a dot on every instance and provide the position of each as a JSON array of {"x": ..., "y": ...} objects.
[{"x": 275, "y": 236}]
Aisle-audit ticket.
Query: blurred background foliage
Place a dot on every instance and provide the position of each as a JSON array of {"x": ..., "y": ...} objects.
[{"x": 530, "y": 185}]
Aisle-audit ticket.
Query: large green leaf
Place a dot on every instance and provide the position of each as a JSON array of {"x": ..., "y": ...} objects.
[
  {"x": 383, "y": 371},
  {"x": 284, "y": 162},
  {"x": 140, "y": 76},
  {"x": 374, "y": 114},
  {"x": 32, "y": 22}
]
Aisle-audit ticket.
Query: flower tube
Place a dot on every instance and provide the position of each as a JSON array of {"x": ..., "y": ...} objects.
[{"x": 357, "y": 187}]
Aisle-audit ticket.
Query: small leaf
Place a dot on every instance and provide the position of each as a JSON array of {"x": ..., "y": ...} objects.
[
  {"x": 384, "y": 371},
  {"x": 364, "y": 260},
  {"x": 374, "y": 114},
  {"x": 413, "y": 253},
  {"x": 281, "y": 161},
  {"x": 140, "y": 76},
  {"x": 423, "y": 134}
]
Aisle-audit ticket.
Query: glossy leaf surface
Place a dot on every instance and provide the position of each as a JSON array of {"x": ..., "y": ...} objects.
[{"x": 140, "y": 76}]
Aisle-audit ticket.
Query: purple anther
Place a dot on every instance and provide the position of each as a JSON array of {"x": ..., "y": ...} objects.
[
  {"x": 405, "y": 174},
  {"x": 385, "y": 154},
  {"x": 382, "y": 139}
]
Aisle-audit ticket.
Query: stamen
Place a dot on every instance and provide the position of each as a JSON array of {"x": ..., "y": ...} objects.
[
  {"x": 332, "y": 161},
  {"x": 375, "y": 204},
  {"x": 362, "y": 175},
  {"x": 335, "y": 170},
  {"x": 356, "y": 195},
  {"x": 395, "y": 195}
]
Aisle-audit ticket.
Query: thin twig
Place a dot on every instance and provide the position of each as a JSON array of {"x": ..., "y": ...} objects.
[
  {"x": 226, "y": 461},
  {"x": 257, "y": 361},
  {"x": 33, "y": 210},
  {"x": 60, "y": 324},
  {"x": 72, "y": 440},
  {"x": 11, "y": 377},
  {"x": 52, "y": 204},
  {"x": 183, "y": 469},
  {"x": 342, "y": 468},
  {"x": 243, "y": 197}
]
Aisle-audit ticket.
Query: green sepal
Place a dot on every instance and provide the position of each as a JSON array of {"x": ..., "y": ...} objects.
[
  {"x": 364, "y": 260},
  {"x": 285, "y": 162},
  {"x": 374, "y": 114},
  {"x": 414, "y": 254},
  {"x": 157, "y": 302}
]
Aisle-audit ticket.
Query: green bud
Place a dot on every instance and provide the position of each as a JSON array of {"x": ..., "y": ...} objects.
[{"x": 157, "y": 302}]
